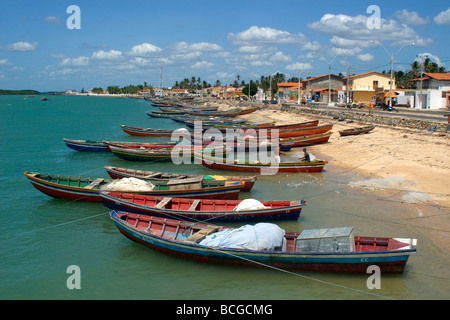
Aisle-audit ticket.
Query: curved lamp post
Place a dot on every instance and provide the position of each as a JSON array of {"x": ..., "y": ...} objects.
[{"x": 391, "y": 55}]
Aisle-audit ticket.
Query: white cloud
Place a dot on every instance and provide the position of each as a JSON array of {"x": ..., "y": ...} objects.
[
  {"x": 249, "y": 49},
  {"x": 75, "y": 62},
  {"x": 205, "y": 46},
  {"x": 410, "y": 17},
  {"x": 52, "y": 19},
  {"x": 422, "y": 56},
  {"x": 311, "y": 46},
  {"x": 344, "y": 51},
  {"x": 22, "y": 46},
  {"x": 224, "y": 75},
  {"x": 107, "y": 55},
  {"x": 443, "y": 18},
  {"x": 349, "y": 43},
  {"x": 299, "y": 66},
  {"x": 256, "y": 35},
  {"x": 280, "y": 57},
  {"x": 365, "y": 57},
  {"x": 144, "y": 49},
  {"x": 202, "y": 65},
  {"x": 347, "y": 29},
  {"x": 140, "y": 61},
  {"x": 5, "y": 62}
]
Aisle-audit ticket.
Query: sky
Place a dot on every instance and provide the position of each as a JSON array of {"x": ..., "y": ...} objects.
[{"x": 48, "y": 46}]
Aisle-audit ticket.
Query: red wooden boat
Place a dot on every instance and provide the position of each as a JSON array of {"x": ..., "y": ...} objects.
[
  {"x": 203, "y": 209},
  {"x": 329, "y": 250},
  {"x": 306, "y": 140},
  {"x": 226, "y": 113},
  {"x": 224, "y": 126},
  {"x": 296, "y": 132},
  {"x": 118, "y": 173},
  {"x": 263, "y": 168}
]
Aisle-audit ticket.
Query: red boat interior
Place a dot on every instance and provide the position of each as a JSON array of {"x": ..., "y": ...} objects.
[{"x": 193, "y": 204}]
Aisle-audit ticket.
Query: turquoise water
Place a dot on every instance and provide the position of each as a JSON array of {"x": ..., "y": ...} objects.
[{"x": 41, "y": 237}]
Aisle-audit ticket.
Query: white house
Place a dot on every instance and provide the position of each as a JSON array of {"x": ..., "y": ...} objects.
[{"x": 433, "y": 91}]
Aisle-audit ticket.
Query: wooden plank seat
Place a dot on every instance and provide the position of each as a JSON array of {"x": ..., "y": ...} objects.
[
  {"x": 194, "y": 205},
  {"x": 201, "y": 234},
  {"x": 94, "y": 183},
  {"x": 163, "y": 203}
]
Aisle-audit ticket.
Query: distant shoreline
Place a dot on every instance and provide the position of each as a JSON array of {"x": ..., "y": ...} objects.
[{"x": 18, "y": 92}]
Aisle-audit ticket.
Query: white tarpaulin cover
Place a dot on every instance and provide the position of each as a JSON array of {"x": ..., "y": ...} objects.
[
  {"x": 262, "y": 236},
  {"x": 129, "y": 184},
  {"x": 249, "y": 204}
]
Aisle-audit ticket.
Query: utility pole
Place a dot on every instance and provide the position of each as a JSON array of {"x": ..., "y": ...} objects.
[{"x": 347, "y": 97}]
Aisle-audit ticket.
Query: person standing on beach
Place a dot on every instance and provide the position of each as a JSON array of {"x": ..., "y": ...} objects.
[{"x": 371, "y": 105}]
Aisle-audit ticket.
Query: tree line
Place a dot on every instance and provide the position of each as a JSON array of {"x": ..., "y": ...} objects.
[
  {"x": 403, "y": 79},
  {"x": 270, "y": 83}
]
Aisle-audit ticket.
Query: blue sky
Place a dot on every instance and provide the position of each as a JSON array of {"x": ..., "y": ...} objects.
[{"x": 126, "y": 42}]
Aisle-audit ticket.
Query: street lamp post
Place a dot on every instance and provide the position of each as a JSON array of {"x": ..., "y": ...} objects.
[
  {"x": 391, "y": 55},
  {"x": 298, "y": 100},
  {"x": 329, "y": 78}
]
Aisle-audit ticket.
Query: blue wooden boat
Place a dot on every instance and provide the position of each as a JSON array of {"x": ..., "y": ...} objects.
[
  {"x": 297, "y": 251},
  {"x": 86, "y": 145}
]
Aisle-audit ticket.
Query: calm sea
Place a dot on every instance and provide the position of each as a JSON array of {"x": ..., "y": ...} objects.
[{"x": 41, "y": 237}]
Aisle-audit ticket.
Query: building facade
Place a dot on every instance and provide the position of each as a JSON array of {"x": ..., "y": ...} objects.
[
  {"x": 432, "y": 91},
  {"x": 365, "y": 86}
]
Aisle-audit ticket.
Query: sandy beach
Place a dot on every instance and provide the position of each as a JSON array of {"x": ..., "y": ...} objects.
[{"x": 410, "y": 165}]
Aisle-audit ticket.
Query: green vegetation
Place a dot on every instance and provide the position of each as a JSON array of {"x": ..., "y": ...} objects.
[
  {"x": 18, "y": 92},
  {"x": 403, "y": 79},
  {"x": 192, "y": 84}
]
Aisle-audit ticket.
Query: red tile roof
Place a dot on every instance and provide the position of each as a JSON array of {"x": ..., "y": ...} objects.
[{"x": 439, "y": 76}]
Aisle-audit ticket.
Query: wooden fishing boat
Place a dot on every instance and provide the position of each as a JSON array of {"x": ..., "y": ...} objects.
[
  {"x": 86, "y": 145},
  {"x": 118, "y": 173},
  {"x": 213, "y": 120},
  {"x": 148, "y": 132},
  {"x": 286, "y": 250},
  {"x": 306, "y": 140},
  {"x": 356, "y": 131},
  {"x": 185, "y": 109},
  {"x": 228, "y": 113},
  {"x": 161, "y": 114},
  {"x": 257, "y": 166},
  {"x": 210, "y": 210},
  {"x": 285, "y": 132},
  {"x": 162, "y": 104},
  {"x": 87, "y": 189},
  {"x": 142, "y": 154},
  {"x": 161, "y": 153},
  {"x": 146, "y": 145},
  {"x": 267, "y": 125},
  {"x": 296, "y": 132}
]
